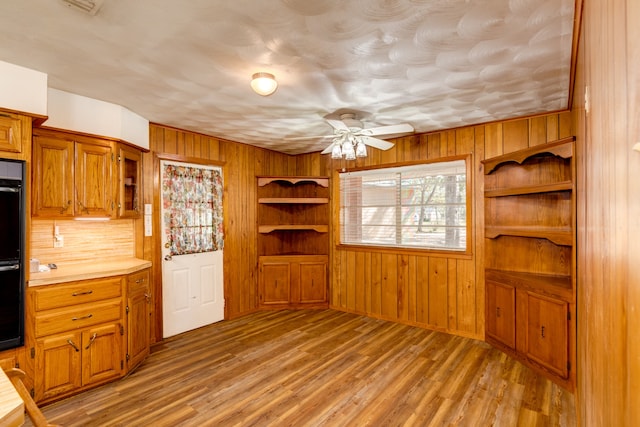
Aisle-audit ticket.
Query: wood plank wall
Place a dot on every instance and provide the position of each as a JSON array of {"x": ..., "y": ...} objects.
[
  {"x": 242, "y": 163},
  {"x": 608, "y": 213},
  {"x": 437, "y": 291}
]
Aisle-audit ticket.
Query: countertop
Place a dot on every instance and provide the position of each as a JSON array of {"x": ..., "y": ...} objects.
[
  {"x": 92, "y": 270},
  {"x": 11, "y": 405}
]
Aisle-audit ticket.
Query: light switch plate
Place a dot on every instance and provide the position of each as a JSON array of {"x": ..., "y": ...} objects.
[
  {"x": 147, "y": 225},
  {"x": 148, "y": 210}
]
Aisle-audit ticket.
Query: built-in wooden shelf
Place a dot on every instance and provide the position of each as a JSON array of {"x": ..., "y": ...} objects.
[
  {"x": 530, "y": 189},
  {"x": 322, "y": 181},
  {"x": 557, "y": 286},
  {"x": 559, "y": 148},
  {"x": 293, "y": 200},
  {"x": 320, "y": 228},
  {"x": 559, "y": 236}
]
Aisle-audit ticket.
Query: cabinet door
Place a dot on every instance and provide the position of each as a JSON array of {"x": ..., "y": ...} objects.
[
  {"x": 10, "y": 133},
  {"x": 313, "y": 282},
  {"x": 53, "y": 177},
  {"x": 501, "y": 321},
  {"x": 57, "y": 369},
  {"x": 275, "y": 282},
  {"x": 129, "y": 183},
  {"x": 102, "y": 356},
  {"x": 94, "y": 185},
  {"x": 138, "y": 321},
  {"x": 547, "y": 333}
]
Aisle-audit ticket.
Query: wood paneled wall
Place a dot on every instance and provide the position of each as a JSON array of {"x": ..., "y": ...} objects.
[
  {"x": 608, "y": 125},
  {"x": 434, "y": 290},
  {"x": 242, "y": 163}
]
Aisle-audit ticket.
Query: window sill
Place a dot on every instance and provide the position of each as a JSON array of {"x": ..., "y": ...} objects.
[{"x": 409, "y": 251}]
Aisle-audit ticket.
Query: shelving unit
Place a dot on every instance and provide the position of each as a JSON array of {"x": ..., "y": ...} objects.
[
  {"x": 530, "y": 257},
  {"x": 293, "y": 241}
]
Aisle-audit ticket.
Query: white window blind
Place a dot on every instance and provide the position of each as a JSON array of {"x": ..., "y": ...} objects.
[{"x": 418, "y": 206}]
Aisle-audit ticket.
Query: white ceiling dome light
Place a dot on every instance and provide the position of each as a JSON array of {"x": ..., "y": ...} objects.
[{"x": 264, "y": 83}]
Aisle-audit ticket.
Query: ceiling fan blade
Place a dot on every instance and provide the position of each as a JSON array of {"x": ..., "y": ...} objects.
[
  {"x": 376, "y": 143},
  {"x": 387, "y": 130},
  {"x": 301, "y": 138},
  {"x": 337, "y": 124},
  {"x": 328, "y": 149}
]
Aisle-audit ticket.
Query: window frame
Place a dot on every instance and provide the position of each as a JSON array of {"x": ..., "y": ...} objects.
[{"x": 450, "y": 253}]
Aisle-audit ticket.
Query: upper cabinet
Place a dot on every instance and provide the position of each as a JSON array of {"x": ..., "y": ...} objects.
[
  {"x": 530, "y": 257},
  {"x": 72, "y": 176},
  {"x": 80, "y": 176},
  {"x": 129, "y": 184},
  {"x": 11, "y": 133}
]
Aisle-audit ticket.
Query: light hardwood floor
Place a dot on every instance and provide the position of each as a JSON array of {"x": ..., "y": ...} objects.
[{"x": 321, "y": 368}]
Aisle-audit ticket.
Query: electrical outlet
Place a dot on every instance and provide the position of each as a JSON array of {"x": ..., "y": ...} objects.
[{"x": 58, "y": 241}]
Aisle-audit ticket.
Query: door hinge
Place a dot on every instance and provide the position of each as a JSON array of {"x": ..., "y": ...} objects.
[
  {"x": 128, "y": 357},
  {"x": 119, "y": 158},
  {"x": 33, "y": 352},
  {"x": 121, "y": 330},
  {"x": 17, "y": 365},
  {"x": 32, "y": 392},
  {"x": 126, "y": 309}
]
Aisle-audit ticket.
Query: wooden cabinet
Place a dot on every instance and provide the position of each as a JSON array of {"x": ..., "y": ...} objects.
[
  {"x": 12, "y": 132},
  {"x": 72, "y": 175},
  {"x": 501, "y": 304},
  {"x": 78, "y": 333},
  {"x": 129, "y": 184},
  {"x": 289, "y": 281},
  {"x": 138, "y": 311},
  {"x": 530, "y": 257},
  {"x": 293, "y": 241}
]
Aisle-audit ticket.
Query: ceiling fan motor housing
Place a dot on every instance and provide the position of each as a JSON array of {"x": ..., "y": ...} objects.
[{"x": 349, "y": 119}]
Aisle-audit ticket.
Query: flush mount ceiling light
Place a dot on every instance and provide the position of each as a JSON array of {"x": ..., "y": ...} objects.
[{"x": 264, "y": 83}]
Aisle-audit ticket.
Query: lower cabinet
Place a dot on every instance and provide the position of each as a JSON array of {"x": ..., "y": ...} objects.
[
  {"x": 88, "y": 332},
  {"x": 501, "y": 313},
  {"x": 138, "y": 310},
  {"x": 547, "y": 332},
  {"x": 67, "y": 361},
  {"x": 293, "y": 281},
  {"x": 529, "y": 326}
]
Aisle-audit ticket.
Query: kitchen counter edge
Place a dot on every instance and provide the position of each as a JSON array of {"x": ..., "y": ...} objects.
[{"x": 85, "y": 271}]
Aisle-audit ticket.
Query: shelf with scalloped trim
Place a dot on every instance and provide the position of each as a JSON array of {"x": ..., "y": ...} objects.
[
  {"x": 293, "y": 227},
  {"x": 530, "y": 257}
]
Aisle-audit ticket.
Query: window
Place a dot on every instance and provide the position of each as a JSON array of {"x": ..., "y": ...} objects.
[{"x": 421, "y": 206}]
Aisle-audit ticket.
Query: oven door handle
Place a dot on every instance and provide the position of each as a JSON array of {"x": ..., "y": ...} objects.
[
  {"x": 10, "y": 189},
  {"x": 10, "y": 267}
]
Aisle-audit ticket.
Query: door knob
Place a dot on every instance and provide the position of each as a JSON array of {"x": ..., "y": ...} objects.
[{"x": 168, "y": 257}]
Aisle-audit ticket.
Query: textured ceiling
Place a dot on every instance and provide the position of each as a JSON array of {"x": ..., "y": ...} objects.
[{"x": 435, "y": 64}]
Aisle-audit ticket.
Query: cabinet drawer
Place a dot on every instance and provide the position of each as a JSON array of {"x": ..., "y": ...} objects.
[
  {"x": 75, "y": 317},
  {"x": 56, "y": 296},
  {"x": 139, "y": 280}
]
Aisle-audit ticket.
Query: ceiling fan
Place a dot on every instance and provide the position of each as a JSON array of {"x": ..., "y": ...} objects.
[{"x": 350, "y": 137}]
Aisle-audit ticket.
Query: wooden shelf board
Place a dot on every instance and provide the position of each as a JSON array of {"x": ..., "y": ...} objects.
[
  {"x": 320, "y": 228},
  {"x": 322, "y": 181},
  {"x": 559, "y": 236},
  {"x": 529, "y": 189},
  {"x": 561, "y": 148},
  {"x": 557, "y": 286},
  {"x": 293, "y": 200}
]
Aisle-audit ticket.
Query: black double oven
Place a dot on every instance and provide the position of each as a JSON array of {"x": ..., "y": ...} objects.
[{"x": 12, "y": 253}]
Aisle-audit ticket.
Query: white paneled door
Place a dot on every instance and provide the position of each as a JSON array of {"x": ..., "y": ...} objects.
[{"x": 192, "y": 246}]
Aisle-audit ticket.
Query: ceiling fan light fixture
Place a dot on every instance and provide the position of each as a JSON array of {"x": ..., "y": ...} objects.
[
  {"x": 336, "y": 152},
  {"x": 361, "y": 149},
  {"x": 264, "y": 84}
]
